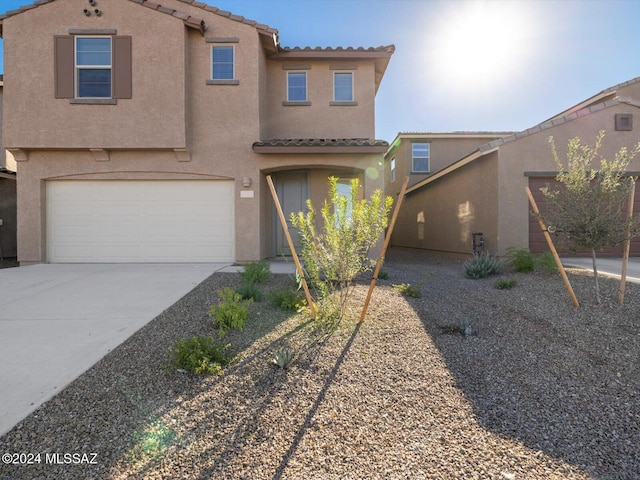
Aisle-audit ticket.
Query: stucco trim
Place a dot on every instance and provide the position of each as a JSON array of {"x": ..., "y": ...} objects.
[
  {"x": 93, "y": 31},
  {"x": 222, "y": 82},
  {"x": 93, "y": 101},
  {"x": 222, "y": 40},
  {"x": 19, "y": 155},
  {"x": 296, "y": 104},
  {"x": 100, "y": 154},
  {"x": 343, "y": 104},
  {"x": 182, "y": 154}
]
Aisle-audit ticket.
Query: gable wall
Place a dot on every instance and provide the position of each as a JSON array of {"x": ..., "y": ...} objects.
[
  {"x": 158, "y": 47},
  {"x": 533, "y": 154}
]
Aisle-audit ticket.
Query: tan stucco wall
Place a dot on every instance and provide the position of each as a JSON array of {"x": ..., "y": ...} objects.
[
  {"x": 532, "y": 154},
  {"x": 320, "y": 119},
  {"x": 443, "y": 152},
  {"x": 453, "y": 208},
  {"x": 158, "y": 79},
  {"x": 172, "y": 107}
]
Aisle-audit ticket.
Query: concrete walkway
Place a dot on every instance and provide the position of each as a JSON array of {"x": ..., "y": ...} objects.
[
  {"x": 56, "y": 321},
  {"x": 608, "y": 266}
]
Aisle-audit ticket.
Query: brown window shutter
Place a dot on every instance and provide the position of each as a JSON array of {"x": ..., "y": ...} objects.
[
  {"x": 122, "y": 67},
  {"x": 64, "y": 66}
]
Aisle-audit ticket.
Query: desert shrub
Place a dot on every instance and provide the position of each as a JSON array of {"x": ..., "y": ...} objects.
[
  {"x": 338, "y": 252},
  {"x": 383, "y": 275},
  {"x": 408, "y": 290},
  {"x": 521, "y": 259},
  {"x": 200, "y": 355},
  {"x": 231, "y": 311},
  {"x": 255, "y": 272},
  {"x": 505, "y": 284},
  {"x": 282, "y": 358},
  {"x": 286, "y": 298},
  {"x": 546, "y": 262},
  {"x": 481, "y": 265},
  {"x": 250, "y": 291}
]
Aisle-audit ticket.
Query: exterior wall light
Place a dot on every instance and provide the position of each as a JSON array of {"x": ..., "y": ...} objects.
[{"x": 246, "y": 182}]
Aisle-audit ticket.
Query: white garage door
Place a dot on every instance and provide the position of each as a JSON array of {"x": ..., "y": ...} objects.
[{"x": 140, "y": 221}]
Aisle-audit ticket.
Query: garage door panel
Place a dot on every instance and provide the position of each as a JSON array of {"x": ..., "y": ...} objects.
[{"x": 140, "y": 221}]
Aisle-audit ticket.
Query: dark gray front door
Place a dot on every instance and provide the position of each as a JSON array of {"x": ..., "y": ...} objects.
[{"x": 292, "y": 192}]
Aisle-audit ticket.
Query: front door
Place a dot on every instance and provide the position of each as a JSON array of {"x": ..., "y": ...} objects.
[{"x": 292, "y": 193}]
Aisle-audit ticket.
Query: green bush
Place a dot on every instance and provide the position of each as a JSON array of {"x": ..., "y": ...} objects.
[
  {"x": 504, "y": 284},
  {"x": 286, "y": 299},
  {"x": 250, "y": 291},
  {"x": 408, "y": 290},
  {"x": 256, "y": 272},
  {"x": 521, "y": 259},
  {"x": 200, "y": 355},
  {"x": 231, "y": 311},
  {"x": 482, "y": 265},
  {"x": 383, "y": 275},
  {"x": 546, "y": 262}
]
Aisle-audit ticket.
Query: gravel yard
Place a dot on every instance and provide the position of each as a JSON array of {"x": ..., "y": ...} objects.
[{"x": 540, "y": 390}]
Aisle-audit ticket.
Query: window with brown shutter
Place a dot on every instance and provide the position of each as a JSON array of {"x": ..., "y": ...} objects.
[{"x": 76, "y": 77}]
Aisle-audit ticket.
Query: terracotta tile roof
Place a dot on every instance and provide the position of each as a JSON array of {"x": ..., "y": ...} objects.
[
  {"x": 258, "y": 26},
  {"x": 385, "y": 49},
  {"x": 190, "y": 21},
  {"x": 496, "y": 144},
  {"x": 321, "y": 142}
]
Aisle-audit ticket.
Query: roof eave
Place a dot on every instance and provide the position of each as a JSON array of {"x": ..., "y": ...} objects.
[{"x": 323, "y": 149}]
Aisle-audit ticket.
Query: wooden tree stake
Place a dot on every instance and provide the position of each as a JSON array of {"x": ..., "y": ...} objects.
[
  {"x": 285, "y": 227},
  {"x": 627, "y": 246},
  {"x": 387, "y": 240},
  {"x": 552, "y": 248}
]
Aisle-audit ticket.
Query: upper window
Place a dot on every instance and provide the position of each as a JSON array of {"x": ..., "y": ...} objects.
[
  {"x": 420, "y": 157},
  {"x": 93, "y": 67},
  {"x": 343, "y": 87},
  {"x": 222, "y": 63},
  {"x": 297, "y": 86},
  {"x": 393, "y": 169}
]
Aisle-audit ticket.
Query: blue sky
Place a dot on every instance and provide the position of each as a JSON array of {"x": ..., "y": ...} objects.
[{"x": 466, "y": 65}]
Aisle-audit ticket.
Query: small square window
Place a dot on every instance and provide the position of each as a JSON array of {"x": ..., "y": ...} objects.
[
  {"x": 297, "y": 86},
  {"x": 624, "y": 122},
  {"x": 222, "y": 63}
]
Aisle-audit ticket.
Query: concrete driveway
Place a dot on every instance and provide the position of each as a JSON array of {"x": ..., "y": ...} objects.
[
  {"x": 56, "y": 321},
  {"x": 609, "y": 266}
]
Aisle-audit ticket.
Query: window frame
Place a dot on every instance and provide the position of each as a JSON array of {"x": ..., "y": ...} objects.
[
  {"x": 415, "y": 157},
  {"x": 306, "y": 86},
  {"x": 77, "y": 67},
  {"x": 233, "y": 63},
  {"x": 351, "y": 100}
]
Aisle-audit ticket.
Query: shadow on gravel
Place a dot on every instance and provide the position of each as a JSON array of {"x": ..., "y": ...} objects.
[
  {"x": 529, "y": 374},
  {"x": 312, "y": 411}
]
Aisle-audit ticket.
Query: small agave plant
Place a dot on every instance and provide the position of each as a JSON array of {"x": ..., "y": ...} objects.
[{"x": 282, "y": 358}]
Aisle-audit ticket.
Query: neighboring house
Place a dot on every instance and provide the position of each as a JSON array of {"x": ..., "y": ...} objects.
[
  {"x": 484, "y": 191},
  {"x": 418, "y": 155},
  {"x": 145, "y": 132}
]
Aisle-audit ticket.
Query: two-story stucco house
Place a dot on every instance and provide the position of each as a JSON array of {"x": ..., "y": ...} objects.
[{"x": 144, "y": 132}]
